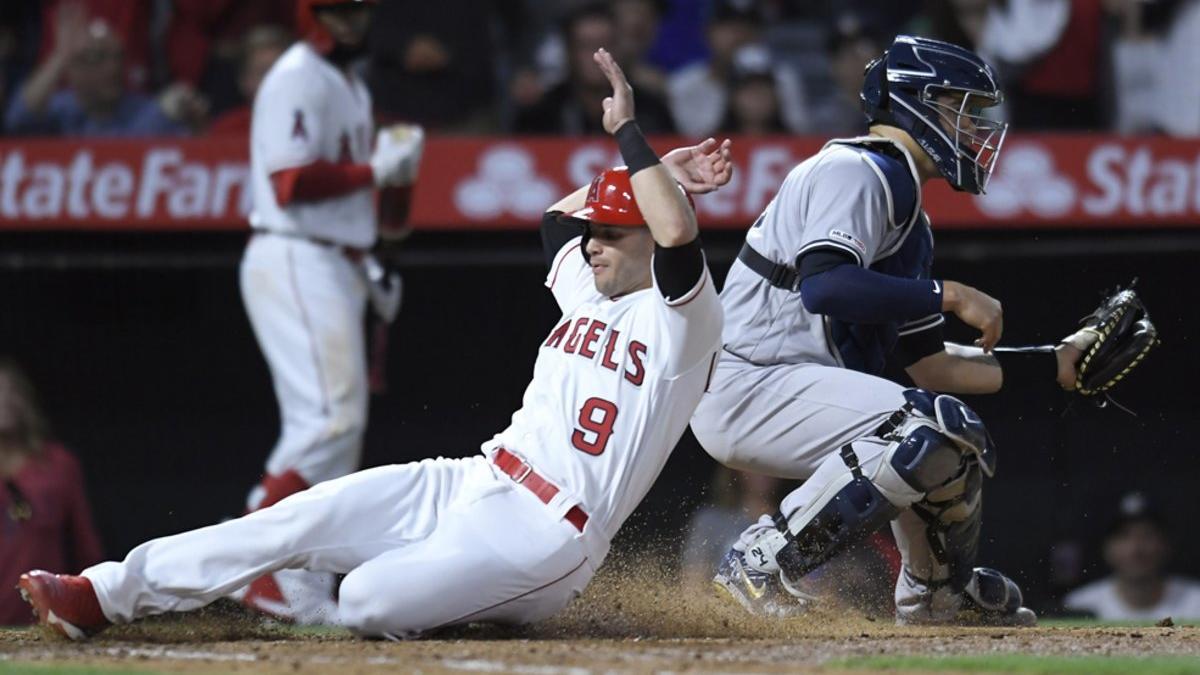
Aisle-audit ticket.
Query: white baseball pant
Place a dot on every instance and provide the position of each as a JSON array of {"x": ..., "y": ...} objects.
[
  {"x": 306, "y": 303},
  {"x": 423, "y": 545}
]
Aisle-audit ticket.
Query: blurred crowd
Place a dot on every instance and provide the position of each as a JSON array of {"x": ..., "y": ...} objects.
[{"x": 163, "y": 67}]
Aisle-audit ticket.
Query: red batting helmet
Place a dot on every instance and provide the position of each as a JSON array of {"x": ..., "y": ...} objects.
[
  {"x": 310, "y": 29},
  {"x": 610, "y": 200}
]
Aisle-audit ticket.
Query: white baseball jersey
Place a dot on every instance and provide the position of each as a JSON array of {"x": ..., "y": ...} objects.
[
  {"x": 1180, "y": 600},
  {"x": 308, "y": 110},
  {"x": 837, "y": 199},
  {"x": 613, "y": 388}
]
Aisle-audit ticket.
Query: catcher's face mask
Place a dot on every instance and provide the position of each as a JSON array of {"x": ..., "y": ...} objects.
[{"x": 975, "y": 138}]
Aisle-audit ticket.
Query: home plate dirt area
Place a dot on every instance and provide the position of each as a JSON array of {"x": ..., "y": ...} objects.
[{"x": 623, "y": 624}]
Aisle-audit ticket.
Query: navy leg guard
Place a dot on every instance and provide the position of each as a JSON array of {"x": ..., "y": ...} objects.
[
  {"x": 952, "y": 526},
  {"x": 857, "y": 510}
]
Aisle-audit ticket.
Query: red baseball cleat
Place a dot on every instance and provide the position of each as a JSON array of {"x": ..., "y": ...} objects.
[
  {"x": 66, "y": 604},
  {"x": 293, "y": 596}
]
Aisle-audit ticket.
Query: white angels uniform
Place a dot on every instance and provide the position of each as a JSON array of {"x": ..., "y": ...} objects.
[
  {"x": 613, "y": 388},
  {"x": 307, "y": 110},
  {"x": 450, "y": 541},
  {"x": 301, "y": 276}
]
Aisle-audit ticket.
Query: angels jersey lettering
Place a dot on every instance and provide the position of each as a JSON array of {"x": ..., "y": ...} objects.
[
  {"x": 308, "y": 110},
  {"x": 613, "y": 388}
]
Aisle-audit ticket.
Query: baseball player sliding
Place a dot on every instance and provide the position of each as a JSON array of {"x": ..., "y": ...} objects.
[
  {"x": 833, "y": 280},
  {"x": 514, "y": 533},
  {"x": 304, "y": 277}
]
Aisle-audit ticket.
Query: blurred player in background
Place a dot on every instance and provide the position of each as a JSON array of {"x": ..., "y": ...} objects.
[
  {"x": 1137, "y": 549},
  {"x": 832, "y": 283},
  {"x": 514, "y": 533},
  {"x": 307, "y": 273}
]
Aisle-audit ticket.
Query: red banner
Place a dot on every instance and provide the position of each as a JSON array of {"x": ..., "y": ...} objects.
[{"x": 497, "y": 183}]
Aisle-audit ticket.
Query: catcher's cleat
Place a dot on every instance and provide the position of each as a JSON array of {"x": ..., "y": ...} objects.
[
  {"x": 989, "y": 599},
  {"x": 760, "y": 593},
  {"x": 63, "y": 603},
  {"x": 976, "y": 616}
]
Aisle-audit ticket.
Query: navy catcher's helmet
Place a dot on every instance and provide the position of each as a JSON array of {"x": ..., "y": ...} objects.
[{"x": 917, "y": 84}]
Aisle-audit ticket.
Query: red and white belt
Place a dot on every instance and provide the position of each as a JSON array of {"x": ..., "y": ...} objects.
[
  {"x": 524, "y": 475},
  {"x": 353, "y": 253}
]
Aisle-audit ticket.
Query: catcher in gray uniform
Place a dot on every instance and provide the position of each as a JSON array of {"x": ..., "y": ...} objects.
[{"x": 833, "y": 280}]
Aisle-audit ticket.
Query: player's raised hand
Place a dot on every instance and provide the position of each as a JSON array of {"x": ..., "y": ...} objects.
[
  {"x": 976, "y": 309},
  {"x": 71, "y": 28},
  {"x": 702, "y": 168},
  {"x": 618, "y": 108}
]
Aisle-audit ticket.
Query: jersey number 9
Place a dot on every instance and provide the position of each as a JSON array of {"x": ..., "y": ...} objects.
[{"x": 596, "y": 418}]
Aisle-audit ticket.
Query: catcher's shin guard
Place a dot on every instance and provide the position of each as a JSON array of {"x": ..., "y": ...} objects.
[
  {"x": 952, "y": 516},
  {"x": 851, "y": 515},
  {"x": 844, "y": 502}
]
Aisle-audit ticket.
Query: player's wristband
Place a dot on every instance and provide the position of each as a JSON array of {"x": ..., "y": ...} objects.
[
  {"x": 636, "y": 152},
  {"x": 1023, "y": 366}
]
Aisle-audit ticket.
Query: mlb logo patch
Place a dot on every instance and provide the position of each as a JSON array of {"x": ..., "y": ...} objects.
[{"x": 843, "y": 236}]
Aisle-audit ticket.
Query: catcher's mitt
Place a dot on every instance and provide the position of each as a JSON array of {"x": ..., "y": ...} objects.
[{"x": 1114, "y": 339}]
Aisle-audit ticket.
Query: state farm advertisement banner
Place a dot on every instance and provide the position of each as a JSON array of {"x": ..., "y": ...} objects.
[
  {"x": 114, "y": 185},
  {"x": 501, "y": 183}
]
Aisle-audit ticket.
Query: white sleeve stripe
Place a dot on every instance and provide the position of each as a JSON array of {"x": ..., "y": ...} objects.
[
  {"x": 827, "y": 243},
  {"x": 559, "y": 260},
  {"x": 690, "y": 295},
  {"x": 887, "y": 189},
  {"x": 922, "y": 324}
]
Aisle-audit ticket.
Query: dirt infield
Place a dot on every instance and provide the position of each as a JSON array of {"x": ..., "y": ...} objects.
[{"x": 622, "y": 624}]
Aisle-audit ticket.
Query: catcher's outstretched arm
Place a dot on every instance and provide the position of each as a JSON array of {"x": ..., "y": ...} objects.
[
  {"x": 963, "y": 369},
  {"x": 958, "y": 369},
  {"x": 1111, "y": 342}
]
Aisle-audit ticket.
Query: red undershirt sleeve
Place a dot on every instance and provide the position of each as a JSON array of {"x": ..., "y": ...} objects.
[{"x": 320, "y": 180}]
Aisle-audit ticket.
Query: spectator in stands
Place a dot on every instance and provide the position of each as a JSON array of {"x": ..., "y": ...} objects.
[
  {"x": 260, "y": 47},
  {"x": 435, "y": 63},
  {"x": 129, "y": 20},
  {"x": 681, "y": 35},
  {"x": 736, "y": 499},
  {"x": 1137, "y": 549},
  {"x": 573, "y": 106},
  {"x": 960, "y": 22},
  {"x": 1156, "y": 63},
  {"x": 18, "y": 46},
  {"x": 752, "y": 106},
  {"x": 1050, "y": 53},
  {"x": 204, "y": 41},
  {"x": 637, "y": 24},
  {"x": 698, "y": 92},
  {"x": 894, "y": 14},
  {"x": 850, "y": 48},
  {"x": 96, "y": 102},
  {"x": 45, "y": 521}
]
